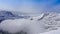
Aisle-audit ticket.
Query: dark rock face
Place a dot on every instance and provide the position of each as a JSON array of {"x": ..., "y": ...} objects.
[
  {"x": 5, "y": 15},
  {"x": 9, "y": 15}
]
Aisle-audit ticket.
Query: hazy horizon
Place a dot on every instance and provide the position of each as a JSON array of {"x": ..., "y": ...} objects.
[{"x": 30, "y": 6}]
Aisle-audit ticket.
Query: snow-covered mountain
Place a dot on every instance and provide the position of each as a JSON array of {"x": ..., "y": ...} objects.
[
  {"x": 41, "y": 16},
  {"x": 44, "y": 23},
  {"x": 50, "y": 20},
  {"x": 10, "y": 15}
]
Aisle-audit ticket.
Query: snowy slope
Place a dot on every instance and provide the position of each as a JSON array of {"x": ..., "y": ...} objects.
[
  {"x": 52, "y": 32},
  {"x": 50, "y": 20},
  {"x": 34, "y": 25},
  {"x": 39, "y": 17}
]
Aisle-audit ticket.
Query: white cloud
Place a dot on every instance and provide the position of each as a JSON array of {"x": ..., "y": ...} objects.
[{"x": 26, "y": 25}]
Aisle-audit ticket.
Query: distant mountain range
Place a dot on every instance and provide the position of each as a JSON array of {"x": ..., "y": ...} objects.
[
  {"x": 10, "y": 15},
  {"x": 51, "y": 20}
]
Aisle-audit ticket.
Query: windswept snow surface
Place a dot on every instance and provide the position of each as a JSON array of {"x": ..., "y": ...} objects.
[
  {"x": 44, "y": 23},
  {"x": 52, "y": 32}
]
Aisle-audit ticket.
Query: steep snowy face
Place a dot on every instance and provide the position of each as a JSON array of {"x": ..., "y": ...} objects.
[{"x": 39, "y": 17}]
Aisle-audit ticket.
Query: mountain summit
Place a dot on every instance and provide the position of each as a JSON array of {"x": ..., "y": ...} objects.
[{"x": 10, "y": 15}]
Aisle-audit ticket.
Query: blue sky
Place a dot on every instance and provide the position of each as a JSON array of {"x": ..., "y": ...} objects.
[{"x": 31, "y": 6}]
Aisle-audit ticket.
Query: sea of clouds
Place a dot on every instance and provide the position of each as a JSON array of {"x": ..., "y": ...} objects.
[{"x": 25, "y": 25}]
